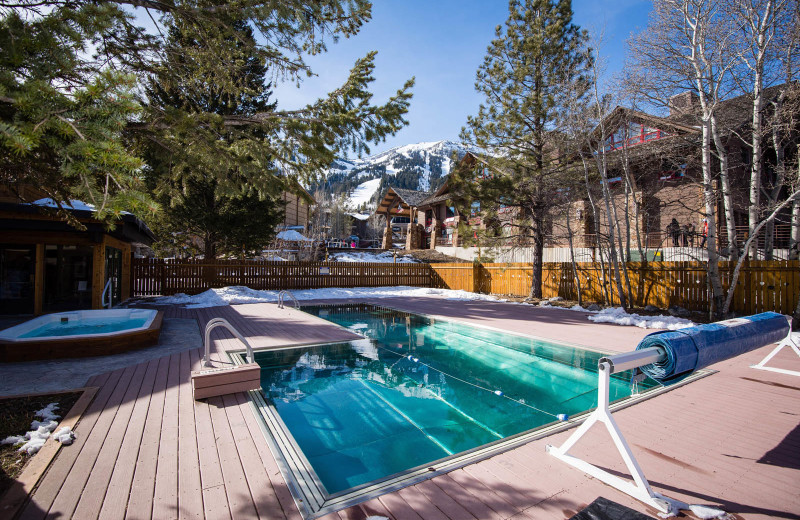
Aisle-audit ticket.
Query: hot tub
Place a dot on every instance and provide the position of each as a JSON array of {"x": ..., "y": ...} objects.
[{"x": 80, "y": 334}]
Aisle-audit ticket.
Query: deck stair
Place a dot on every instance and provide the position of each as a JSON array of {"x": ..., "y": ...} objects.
[{"x": 214, "y": 381}]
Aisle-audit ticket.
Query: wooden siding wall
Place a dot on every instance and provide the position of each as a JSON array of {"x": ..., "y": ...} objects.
[
  {"x": 763, "y": 286},
  {"x": 152, "y": 276}
]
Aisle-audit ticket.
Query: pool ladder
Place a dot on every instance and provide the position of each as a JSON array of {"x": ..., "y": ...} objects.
[
  {"x": 106, "y": 289},
  {"x": 221, "y": 322},
  {"x": 280, "y": 299}
]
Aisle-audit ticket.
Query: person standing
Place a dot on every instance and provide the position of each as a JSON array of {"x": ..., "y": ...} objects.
[
  {"x": 685, "y": 235},
  {"x": 704, "y": 231},
  {"x": 674, "y": 231},
  {"x": 691, "y": 232}
]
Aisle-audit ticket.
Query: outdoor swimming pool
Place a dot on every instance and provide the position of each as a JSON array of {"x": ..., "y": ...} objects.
[{"x": 418, "y": 390}]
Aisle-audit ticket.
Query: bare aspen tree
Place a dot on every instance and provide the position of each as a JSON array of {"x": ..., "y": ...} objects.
[
  {"x": 680, "y": 51},
  {"x": 760, "y": 25}
]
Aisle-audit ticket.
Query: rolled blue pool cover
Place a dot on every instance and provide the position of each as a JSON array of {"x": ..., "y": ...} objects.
[{"x": 697, "y": 347}]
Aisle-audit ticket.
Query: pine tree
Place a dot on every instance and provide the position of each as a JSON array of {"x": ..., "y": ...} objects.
[
  {"x": 533, "y": 70},
  {"x": 70, "y": 71},
  {"x": 215, "y": 183}
]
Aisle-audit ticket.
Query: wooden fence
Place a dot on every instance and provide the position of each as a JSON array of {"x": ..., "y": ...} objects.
[
  {"x": 154, "y": 276},
  {"x": 763, "y": 285}
]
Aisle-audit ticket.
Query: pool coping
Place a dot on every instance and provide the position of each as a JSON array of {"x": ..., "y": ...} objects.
[{"x": 309, "y": 494}]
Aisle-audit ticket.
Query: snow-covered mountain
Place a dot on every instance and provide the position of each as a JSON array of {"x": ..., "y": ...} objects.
[{"x": 420, "y": 166}]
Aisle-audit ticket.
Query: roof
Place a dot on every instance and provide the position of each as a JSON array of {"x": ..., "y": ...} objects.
[
  {"x": 397, "y": 197},
  {"x": 36, "y": 217},
  {"x": 411, "y": 197}
]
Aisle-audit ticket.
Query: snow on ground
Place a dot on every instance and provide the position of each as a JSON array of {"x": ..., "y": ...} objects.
[
  {"x": 620, "y": 317},
  {"x": 64, "y": 435},
  {"x": 33, "y": 440},
  {"x": 239, "y": 294},
  {"x": 366, "y": 256},
  {"x": 363, "y": 192}
]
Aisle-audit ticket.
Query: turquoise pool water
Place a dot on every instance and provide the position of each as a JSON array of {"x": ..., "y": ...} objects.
[
  {"x": 419, "y": 390},
  {"x": 100, "y": 325}
]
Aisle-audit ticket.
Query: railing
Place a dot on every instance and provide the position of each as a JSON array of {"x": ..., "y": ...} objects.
[
  {"x": 221, "y": 322},
  {"x": 280, "y": 299},
  {"x": 107, "y": 289}
]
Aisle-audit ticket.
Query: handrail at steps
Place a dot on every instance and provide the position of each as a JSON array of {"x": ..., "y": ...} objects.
[
  {"x": 280, "y": 299},
  {"x": 222, "y": 322},
  {"x": 107, "y": 289}
]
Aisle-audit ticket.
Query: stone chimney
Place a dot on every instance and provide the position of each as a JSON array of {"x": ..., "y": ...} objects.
[{"x": 683, "y": 103}]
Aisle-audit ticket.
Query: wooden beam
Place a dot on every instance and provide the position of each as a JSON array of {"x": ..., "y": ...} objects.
[
  {"x": 38, "y": 281},
  {"x": 98, "y": 274}
]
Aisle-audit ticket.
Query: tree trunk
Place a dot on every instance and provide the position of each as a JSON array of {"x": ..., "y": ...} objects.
[
  {"x": 596, "y": 218},
  {"x": 572, "y": 258},
  {"x": 538, "y": 253},
  {"x": 717, "y": 295},
  {"x": 794, "y": 251},
  {"x": 612, "y": 223},
  {"x": 755, "y": 172},
  {"x": 727, "y": 198},
  {"x": 209, "y": 247},
  {"x": 636, "y": 209}
]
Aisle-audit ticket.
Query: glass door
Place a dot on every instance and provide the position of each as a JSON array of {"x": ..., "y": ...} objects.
[
  {"x": 17, "y": 274},
  {"x": 114, "y": 274}
]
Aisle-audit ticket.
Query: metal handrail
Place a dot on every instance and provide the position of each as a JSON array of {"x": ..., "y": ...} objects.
[
  {"x": 280, "y": 299},
  {"x": 107, "y": 288},
  {"x": 222, "y": 322}
]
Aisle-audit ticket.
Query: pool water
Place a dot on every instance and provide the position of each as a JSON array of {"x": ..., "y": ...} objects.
[
  {"x": 82, "y": 326},
  {"x": 419, "y": 390}
]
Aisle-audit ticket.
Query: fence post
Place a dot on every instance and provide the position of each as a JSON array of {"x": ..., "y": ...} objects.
[{"x": 162, "y": 265}]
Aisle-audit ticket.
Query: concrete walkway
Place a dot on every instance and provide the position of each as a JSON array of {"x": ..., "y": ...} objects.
[{"x": 177, "y": 335}]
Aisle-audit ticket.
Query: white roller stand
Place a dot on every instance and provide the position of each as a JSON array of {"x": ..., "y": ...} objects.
[
  {"x": 639, "y": 488},
  {"x": 786, "y": 342}
]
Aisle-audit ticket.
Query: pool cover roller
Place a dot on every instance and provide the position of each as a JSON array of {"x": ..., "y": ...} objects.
[{"x": 697, "y": 347}]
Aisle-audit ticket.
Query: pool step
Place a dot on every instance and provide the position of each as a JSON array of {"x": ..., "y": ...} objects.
[{"x": 221, "y": 381}]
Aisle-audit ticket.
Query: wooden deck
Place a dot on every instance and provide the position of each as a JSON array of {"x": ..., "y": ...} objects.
[{"x": 146, "y": 449}]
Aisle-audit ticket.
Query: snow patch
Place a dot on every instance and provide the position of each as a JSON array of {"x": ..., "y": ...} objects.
[
  {"x": 290, "y": 235},
  {"x": 363, "y": 192},
  {"x": 65, "y": 436},
  {"x": 239, "y": 294},
  {"x": 366, "y": 256},
  {"x": 618, "y": 316},
  {"x": 47, "y": 414}
]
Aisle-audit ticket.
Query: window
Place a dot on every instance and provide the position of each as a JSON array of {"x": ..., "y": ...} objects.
[
  {"x": 631, "y": 135},
  {"x": 475, "y": 209}
]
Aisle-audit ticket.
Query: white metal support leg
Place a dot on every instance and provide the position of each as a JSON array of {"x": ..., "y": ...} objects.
[
  {"x": 640, "y": 487},
  {"x": 788, "y": 341}
]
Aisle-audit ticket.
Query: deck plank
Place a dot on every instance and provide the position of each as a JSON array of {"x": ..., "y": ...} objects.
[
  {"x": 140, "y": 501},
  {"x": 239, "y": 499},
  {"x": 89, "y": 504},
  {"x": 190, "y": 492},
  {"x": 215, "y": 501},
  {"x": 67, "y": 498},
  {"x": 279, "y": 486},
  {"x": 119, "y": 486},
  {"x": 165, "y": 499},
  {"x": 265, "y": 501}
]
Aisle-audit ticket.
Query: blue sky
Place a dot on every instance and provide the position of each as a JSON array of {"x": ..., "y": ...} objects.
[{"x": 442, "y": 43}]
